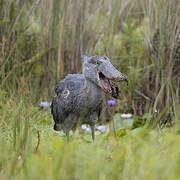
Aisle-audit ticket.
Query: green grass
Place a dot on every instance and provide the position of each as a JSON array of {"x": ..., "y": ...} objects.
[
  {"x": 42, "y": 41},
  {"x": 142, "y": 153}
]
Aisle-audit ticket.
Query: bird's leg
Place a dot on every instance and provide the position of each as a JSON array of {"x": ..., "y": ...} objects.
[
  {"x": 92, "y": 131},
  {"x": 93, "y": 120},
  {"x": 67, "y": 136}
]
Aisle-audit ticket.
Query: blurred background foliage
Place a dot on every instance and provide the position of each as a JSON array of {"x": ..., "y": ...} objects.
[{"x": 42, "y": 40}]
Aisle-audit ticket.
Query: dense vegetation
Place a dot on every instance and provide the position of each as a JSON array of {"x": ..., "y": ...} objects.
[{"x": 42, "y": 41}]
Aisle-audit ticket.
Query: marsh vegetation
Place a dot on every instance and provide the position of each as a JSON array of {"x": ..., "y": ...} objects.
[{"x": 42, "y": 41}]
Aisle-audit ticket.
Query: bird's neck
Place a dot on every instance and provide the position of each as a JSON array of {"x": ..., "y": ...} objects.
[
  {"x": 90, "y": 83},
  {"x": 92, "y": 89}
]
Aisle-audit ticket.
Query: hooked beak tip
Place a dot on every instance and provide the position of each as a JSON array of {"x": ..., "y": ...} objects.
[
  {"x": 126, "y": 81},
  {"x": 125, "y": 78}
]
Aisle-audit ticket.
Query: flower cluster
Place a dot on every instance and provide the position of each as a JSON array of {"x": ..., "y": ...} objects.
[
  {"x": 85, "y": 128},
  {"x": 45, "y": 104},
  {"x": 102, "y": 129},
  {"x": 126, "y": 115},
  {"x": 111, "y": 103}
]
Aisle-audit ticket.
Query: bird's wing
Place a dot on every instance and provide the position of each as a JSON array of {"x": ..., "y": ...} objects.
[
  {"x": 71, "y": 83},
  {"x": 66, "y": 96}
]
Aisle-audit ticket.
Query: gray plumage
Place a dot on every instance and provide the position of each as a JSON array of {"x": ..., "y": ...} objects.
[{"x": 79, "y": 97}]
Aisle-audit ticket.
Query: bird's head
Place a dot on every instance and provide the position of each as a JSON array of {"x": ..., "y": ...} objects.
[{"x": 100, "y": 70}]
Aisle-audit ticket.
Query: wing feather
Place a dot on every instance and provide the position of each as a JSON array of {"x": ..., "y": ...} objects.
[{"x": 66, "y": 92}]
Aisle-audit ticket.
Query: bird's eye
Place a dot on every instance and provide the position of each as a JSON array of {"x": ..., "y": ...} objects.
[
  {"x": 105, "y": 57},
  {"x": 95, "y": 61},
  {"x": 99, "y": 62}
]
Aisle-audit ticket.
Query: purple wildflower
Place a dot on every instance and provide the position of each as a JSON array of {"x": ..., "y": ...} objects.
[
  {"x": 83, "y": 127},
  {"x": 111, "y": 103},
  {"x": 102, "y": 129},
  {"x": 45, "y": 104},
  {"x": 87, "y": 130},
  {"x": 126, "y": 115}
]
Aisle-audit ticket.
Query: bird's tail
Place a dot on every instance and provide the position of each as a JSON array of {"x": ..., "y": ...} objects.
[{"x": 57, "y": 127}]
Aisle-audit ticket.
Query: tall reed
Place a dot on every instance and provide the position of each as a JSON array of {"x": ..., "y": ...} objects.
[
  {"x": 42, "y": 41},
  {"x": 162, "y": 39}
]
